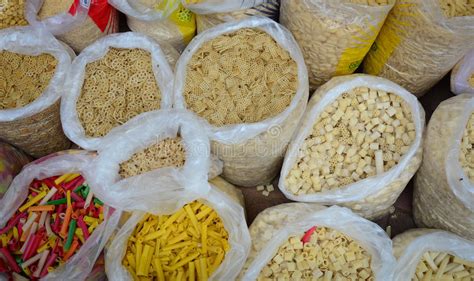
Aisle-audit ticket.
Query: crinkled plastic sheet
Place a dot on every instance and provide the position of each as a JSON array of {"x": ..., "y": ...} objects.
[{"x": 129, "y": 40}]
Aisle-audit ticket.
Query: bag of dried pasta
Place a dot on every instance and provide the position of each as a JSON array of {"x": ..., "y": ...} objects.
[
  {"x": 299, "y": 241},
  {"x": 178, "y": 232},
  {"x": 421, "y": 41},
  {"x": 358, "y": 145},
  {"x": 268, "y": 8},
  {"x": 249, "y": 81},
  {"x": 12, "y": 161},
  {"x": 34, "y": 67},
  {"x": 12, "y": 13},
  {"x": 462, "y": 75},
  {"x": 444, "y": 185},
  {"x": 429, "y": 254},
  {"x": 113, "y": 80},
  {"x": 76, "y": 22},
  {"x": 334, "y": 35}
]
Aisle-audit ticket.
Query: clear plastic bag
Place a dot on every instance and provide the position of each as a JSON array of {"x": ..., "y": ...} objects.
[
  {"x": 411, "y": 245},
  {"x": 274, "y": 225},
  {"x": 418, "y": 45},
  {"x": 251, "y": 152},
  {"x": 78, "y": 23},
  {"x": 443, "y": 194},
  {"x": 79, "y": 265},
  {"x": 141, "y": 132},
  {"x": 161, "y": 69},
  {"x": 146, "y": 10},
  {"x": 462, "y": 75},
  {"x": 335, "y": 36},
  {"x": 219, "y": 6},
  {"x": 371, "y": 197},
  {"x": 167, "y": 199}
]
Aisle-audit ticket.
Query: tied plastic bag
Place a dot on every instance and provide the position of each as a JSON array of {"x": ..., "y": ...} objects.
[
  {"x": 142, "y": 133},
  {"x": 336, "y": 35},
  {"x": 418, "y": 45},
  {"x": 373, "y": 196},
  {"x": 251, "y": 152},
  {"x": 275, "y": 225},
  {"x": 268, "y": 8},
  {"x": 462, "y": 75},
  {"x": 161, "y": 70},
  {"x": 12, "y": 161},
  {"x": 82, "y": 262},
  {"x": 36, "y": 127},
  {"x": 410, "y": 246},
  {"x": 444, "y": 193},
  {"x": 76, "y": 22},
  {"x": 165, "y": 21},
  {"x": 165, "y": 195}
]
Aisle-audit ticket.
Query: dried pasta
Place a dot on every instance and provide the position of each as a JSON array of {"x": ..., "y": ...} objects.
[
  {"x": 187, "y": 245},
  {"x": 166, "y": 153},
  {"x": 466, "y": 156},
  {"x": 364, "y": 132},
  {"x": 457, "y": 8},
  {"x": 116, "y": 88},
  {"x": 12, "y": 13},
  {"x": 471, "y": 80},
  {"x": 443, "y": 266},
  {"x": 324, "y": 254},
  {"x": 240, "y": 77},
  {"x": 23, "y": 78}
]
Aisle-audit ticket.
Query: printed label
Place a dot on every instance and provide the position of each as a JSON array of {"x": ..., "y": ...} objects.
[{"x": 99, "y": 11}]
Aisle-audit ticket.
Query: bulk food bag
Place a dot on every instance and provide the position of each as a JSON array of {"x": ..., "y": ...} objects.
[
  {"x": 163, "y": 20},
  {"x": 34, "y": 68},
  {"x": 358, "y": 145},
  {"x": 76, "y": 22},
  {"x": 421, "y": 41},
  {"x": 300, "y": 241},
  {"x": 113, "y": 80},
  {"x": 334, "y": 35},
  {"x": 12, "y": 14},
  {"x": 267, "y": 8},
  {"x": 178, "y": 231},
  {"x": 429, "y": 254},
  {"x": 462, "y": 75},
  {"x": 12, "y": 161},
  {"x": 444, "y": 189},
  {"x": 51, "y": 224},
  {"x": 249, "y": 81}
]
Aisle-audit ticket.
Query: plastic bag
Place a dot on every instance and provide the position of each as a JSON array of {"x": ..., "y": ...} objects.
[
  {"x": 274, "y": 225},
  {"x": 418, "y": 45},
  {"x": 141, "y": 132},
  {"x": 411, "y": 245},
  {"x": 443, "y": 194},
  {"x": 268, "y": 8},
  {"x": 251, "y": 152},
  {"x": 219, "y": 6},
  {"x": 79, "y": 265},
  {"x": 36, "y": 127},
  {"x": 159, "y": 197},
  {"x": 12, "y": 161},
  {"x": 462, "y": 75},
  {"x": 334, "y": 35},
  {"x": 371, "y": 197},
  {"x": 161, "y": 69},
  {"x": 78, "y": 23}
]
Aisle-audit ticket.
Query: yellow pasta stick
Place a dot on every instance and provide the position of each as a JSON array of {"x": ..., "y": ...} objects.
[
  {"x": 159, "y": 270},
  {"x": 184, "y": 261},
  {"x": 192, "y": 217},
  {"x": 191, "y": 270},
  {"x": 203, "y": 266},
  {"x": 204, "y": 239}
]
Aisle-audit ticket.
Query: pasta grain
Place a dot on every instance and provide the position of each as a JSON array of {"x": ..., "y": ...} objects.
[{"x": 12, "y": 13}]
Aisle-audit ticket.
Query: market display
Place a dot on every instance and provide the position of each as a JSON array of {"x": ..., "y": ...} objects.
[{"x": 12, "y": 14}]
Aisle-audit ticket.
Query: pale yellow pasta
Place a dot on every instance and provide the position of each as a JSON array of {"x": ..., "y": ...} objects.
[
  {"x": 166, "y": 153},
  {"x": 23, "y": 78},
  {"x": 466, "y": 156},
  {"x": 12, "y": 13},
  {"x": 443, "y": 266},
  {"x": 471, "y": 80},
  {"x": 457, "y": 8},
  {"x": 240, "y": 77}
]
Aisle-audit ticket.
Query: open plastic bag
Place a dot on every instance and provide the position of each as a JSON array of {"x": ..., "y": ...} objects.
[
  {"x": 462, "y": 75},
  {"x": 443, "y": 193},
  {"x": 12, "y": 161},
  {"x": 373, "y": 196},
  {"x": 268, "y": 8},
  {"x": 164, "y": 195},
  {"x": 410, "y": 246},
  {"x": 418, "y": 45},
  {"x": 274, "y": 225},
  {"x": 335, "y": 36},
  {"x": 36, "y": 127},
  {"x": 77, "y": 23},
  {"x": 161, "y": 69},
  {"x": 251, "y": 152},
  {"x": 79, "y": 265}
]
